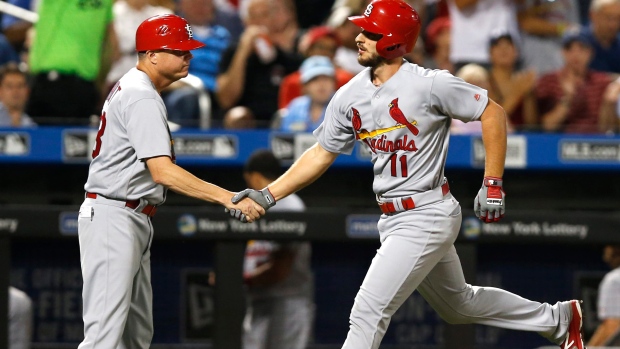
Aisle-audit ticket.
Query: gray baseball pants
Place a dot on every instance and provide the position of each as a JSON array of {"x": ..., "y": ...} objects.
[
  {"x": 417, "y": 252},
  {"x": 115, "y": 258},
  {"x": 278, "y": 323},
  {"x": 20, "y": 319}
]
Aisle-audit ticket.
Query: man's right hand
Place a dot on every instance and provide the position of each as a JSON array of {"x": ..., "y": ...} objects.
[
  {"x": 246, "y": 211},
  {"x": 246, "y": 41}
]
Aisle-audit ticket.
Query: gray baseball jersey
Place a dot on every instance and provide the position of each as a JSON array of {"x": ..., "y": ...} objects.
[
  {"x": 133, "y": 127},
  {"x": 405, "y": 122},
  {"x": 609, "y": 295}
]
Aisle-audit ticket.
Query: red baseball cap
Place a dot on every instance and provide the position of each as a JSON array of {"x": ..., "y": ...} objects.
[{"x": 169, "y": 32}]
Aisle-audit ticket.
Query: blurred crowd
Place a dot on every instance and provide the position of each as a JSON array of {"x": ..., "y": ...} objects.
[{"x": 553, "y": 65}]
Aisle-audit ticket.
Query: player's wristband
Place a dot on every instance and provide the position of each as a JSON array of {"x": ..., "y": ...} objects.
[
  {"x": 271, "y": 200},
  {"x": 493, "y": 182}
]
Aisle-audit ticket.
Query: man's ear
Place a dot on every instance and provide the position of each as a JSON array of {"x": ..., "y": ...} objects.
[{"x": 151, "y": 56}]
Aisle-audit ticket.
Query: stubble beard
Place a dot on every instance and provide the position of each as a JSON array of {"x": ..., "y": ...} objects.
[{"x": 373, "y": 61}]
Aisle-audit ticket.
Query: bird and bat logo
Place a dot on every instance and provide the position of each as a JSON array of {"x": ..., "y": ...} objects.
[{"x": 382, "y": 143}]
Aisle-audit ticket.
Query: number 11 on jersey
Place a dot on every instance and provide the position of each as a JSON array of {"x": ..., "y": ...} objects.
[{"x": 395, "y": 160}]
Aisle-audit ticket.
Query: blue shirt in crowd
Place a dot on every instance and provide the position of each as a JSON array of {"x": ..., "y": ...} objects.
[
  {"x": 206, "y": 61},
  {"x": 5, "y": 118},
  {"x": 8, "y": 20},
  {"x": 297, "y": 118},
  {"x": 7, "y": 53},
  {"x": 604, "y": 59}
]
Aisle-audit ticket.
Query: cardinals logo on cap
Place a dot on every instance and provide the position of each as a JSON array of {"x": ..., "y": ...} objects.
[
  {"x": 190, "y": 33},
  {"x": 163, "y": 30}
]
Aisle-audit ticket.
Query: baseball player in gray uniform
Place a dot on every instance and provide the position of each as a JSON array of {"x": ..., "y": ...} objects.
[
  {"x": 280, "y": 306},
  {"x": 132, "y": 168},
  {"x": 20, "y": 319},
  {"x": 607, "y": 333},
  {"x": 402, "y": 113}
]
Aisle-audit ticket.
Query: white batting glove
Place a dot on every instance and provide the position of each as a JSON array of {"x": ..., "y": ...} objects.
[{"x": 489, "y": 204}]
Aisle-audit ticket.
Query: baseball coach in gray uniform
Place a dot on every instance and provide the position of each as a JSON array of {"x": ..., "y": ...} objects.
[
  {"x": 132, "y": 168},
  {"x": 402, "y": 113}
]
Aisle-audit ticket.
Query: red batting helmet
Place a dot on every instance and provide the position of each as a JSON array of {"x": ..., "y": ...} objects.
[
  {"x": 169, "y": 32},
  {"x": 396, "y": 20}
]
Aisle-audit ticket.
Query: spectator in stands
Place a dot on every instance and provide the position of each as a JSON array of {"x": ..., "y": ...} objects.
[
  {"x": 318, "y": 41},
  {"x": 476, "y": 75},
  {"x": 512, "y": 89},
  {"x": 603, "y": 34},
  {"x": 13, "y": 33},
  {"x": 227, "y": 16},
  {"x": 346, "y": 55},
  {"x": 569, "y": 100},
  {"x": 607, "y": 333},
  {"x": 15, "y": 28},
  {"x": 542, "y": 25},
  {"x": 239, "y": 118},
  {"x": 13, "y": 96},
  {"x": 473, "y": 22},
  {"x": 615, "y": 93},
  {"x": 66, "y": 57},
  {"x": 24, "y": 54},
  {"x": 20, "y": 319},
  {"x": 169, "y": 4},
  {"x": 284, "y": 30},
  {"x": 418, "y": 54},
  {"x": 438, "y": 44},
  {"x": 251, "y": 72},
  {"x": 356, "y": 6},
  {"x": 305, "y": 113},
  {"x": 7, "y": 52},
  {"x": 610, "y": 110},
  {"x": 182, "y": 100},
  {"x": 278, "y": 276},
  {"x": 128, "y": 14}
]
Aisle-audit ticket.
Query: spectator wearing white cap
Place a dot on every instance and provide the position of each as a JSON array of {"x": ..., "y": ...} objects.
[{"x": 305, "y": 113}]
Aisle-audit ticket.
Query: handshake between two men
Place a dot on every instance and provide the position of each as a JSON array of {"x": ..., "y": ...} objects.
[{"x": 262, "y": 197}]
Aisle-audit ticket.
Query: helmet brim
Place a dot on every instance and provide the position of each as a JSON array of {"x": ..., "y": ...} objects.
[
  {"x": 186, "y": 45},
  {"x": 364, "y": 23}
]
